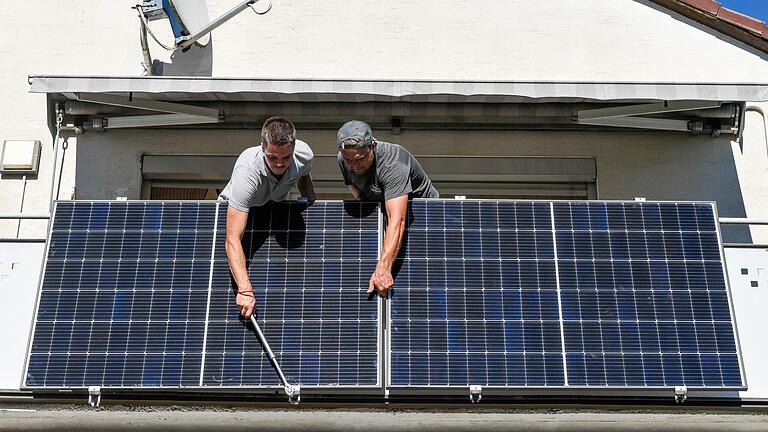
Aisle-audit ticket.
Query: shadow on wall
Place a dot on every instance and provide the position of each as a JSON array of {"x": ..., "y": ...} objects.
[
  {"x": 197, "y": 61},
  {"x": 725, "y": 188}
]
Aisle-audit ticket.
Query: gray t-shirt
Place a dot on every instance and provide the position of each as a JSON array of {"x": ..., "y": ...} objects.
[
  {"x": 394, "y": 173},
  {"x": 253, "y": 184}
]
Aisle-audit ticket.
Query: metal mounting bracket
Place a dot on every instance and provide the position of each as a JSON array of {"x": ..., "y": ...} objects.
[
  {"x": 94, "y": 396},
  {"x": 475, "y": 393},
  {"x": 293, "y": 393},
  {"x": 681, "y": 394}
]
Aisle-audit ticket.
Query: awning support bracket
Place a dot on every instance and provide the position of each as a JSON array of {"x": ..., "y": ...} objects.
[
  {"x": 176, "y": 113},
  {"x": 628, "y": 116}
]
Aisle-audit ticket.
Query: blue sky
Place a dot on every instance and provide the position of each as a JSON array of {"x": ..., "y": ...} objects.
[{"x": 754, "y": 8}]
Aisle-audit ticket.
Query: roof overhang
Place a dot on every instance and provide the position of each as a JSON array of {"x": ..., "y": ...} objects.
[{"x": 183, "y": 89}]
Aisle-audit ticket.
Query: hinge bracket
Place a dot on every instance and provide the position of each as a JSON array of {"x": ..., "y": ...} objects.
[
  {"x": 681, "y": 394},
  {"x": 475, "y": 393},
  {"x": 94, "y": 396}
]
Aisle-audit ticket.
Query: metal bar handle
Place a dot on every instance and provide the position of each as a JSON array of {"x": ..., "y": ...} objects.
[{"x": 267, "y": 348}]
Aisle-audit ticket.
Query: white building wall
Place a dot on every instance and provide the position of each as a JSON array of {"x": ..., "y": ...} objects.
[
  {"x": 589, "y": 40},
  {"x": 519, "y": 40}
]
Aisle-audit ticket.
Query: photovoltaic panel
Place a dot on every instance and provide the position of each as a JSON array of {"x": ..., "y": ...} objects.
[
  {"x": 644, "y": 295},
  {"x": 309, "y": 266},
  {"x": 475, "y": 297},
  {"x": 514, "y": 294},
  {"x": 495, "y": 293},
  {"x": 136, "y": 294},
  {"x": 123, "y": 295}
]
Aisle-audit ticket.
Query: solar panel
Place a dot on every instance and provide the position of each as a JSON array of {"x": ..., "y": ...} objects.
[
  {"x": 475, "y": 297},
  {"x": 309, "y": 266},
  {"x": 644, "y": 296},
  {"x": 123, "y": 296},
  {"x": 531, "y": 294},
  {"x": 502, "y": 294},
  {"x": 136, "y": 294}
]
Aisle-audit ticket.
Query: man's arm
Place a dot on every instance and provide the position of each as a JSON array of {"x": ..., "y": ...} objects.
[
  {"x": 245, "y": 299},
  {"x": 306, "y": 187},
  {"x": 393, "y": 238}
]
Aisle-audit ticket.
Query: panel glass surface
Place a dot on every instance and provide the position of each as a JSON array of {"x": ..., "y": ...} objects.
[
  {"x": 309, "y": 266},
  {"x": 622, "y": 294},
  {"x": 123, "y": 296},
  {"x": 644, "y": 296},
  {"x": 475, "y": 296},
  {"x": 492, "y": 293}
]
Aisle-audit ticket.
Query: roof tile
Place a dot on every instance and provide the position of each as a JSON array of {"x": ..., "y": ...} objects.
[
  {"x": 743, "y": 21},
  {"x": 711, "y": 7}
]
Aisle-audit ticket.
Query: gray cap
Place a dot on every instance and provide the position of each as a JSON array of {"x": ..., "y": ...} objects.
[{"x": 356, "y": 131}]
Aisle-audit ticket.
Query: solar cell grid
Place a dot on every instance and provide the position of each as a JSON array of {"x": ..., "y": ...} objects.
[
  {"x": 644, "y": 296},
  {"x": 483, "y": 310},
  {"x": 309, "y": 266},
  {"x": 493, "y": 293},
  {"x": 625, "y": 294},
  {"x": 113, "y": 271}
]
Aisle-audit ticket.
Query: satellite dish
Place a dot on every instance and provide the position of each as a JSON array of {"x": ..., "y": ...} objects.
[
  {"x": 189, "y": 22},
  {"x": 189, "y": 17}
]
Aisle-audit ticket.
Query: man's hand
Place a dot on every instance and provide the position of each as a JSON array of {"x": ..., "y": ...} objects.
[
  {"x": 246, "y": 302},
  {"x": 381, "y": 281}
]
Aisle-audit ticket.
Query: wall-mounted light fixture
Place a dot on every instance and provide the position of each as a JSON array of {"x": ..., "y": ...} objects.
[{"x": 20, "y": 157}]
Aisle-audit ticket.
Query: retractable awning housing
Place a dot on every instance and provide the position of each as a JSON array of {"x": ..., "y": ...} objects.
[{"x": 112, "y": 102}]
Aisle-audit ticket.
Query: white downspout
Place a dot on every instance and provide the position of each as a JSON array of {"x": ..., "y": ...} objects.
[{"x": 758, "y": 109}]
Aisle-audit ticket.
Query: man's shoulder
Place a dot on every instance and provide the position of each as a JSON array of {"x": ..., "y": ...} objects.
[
  {"x": 302, "y": 151},
  {"x": 392, "y": 155},
  {"x": 392, "y": 148},
  {"x": 249, "y": 156}
]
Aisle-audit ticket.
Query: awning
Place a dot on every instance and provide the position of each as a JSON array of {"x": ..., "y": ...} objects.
[{"x": 286, "y": 90}]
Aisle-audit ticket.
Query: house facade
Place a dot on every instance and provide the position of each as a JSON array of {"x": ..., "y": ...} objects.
[{"x": 596, "y": 99}]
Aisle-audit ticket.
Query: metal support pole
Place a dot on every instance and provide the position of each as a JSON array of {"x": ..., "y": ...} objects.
[
  {"x": 23, "y": 216},
  {"x": 743, "y": 221},
  {"x": 59, "y": 119},
  {"x": 293, "y": 392},
  {"x": 189, "y": 40},
  {"x": 21, "y": 206}
]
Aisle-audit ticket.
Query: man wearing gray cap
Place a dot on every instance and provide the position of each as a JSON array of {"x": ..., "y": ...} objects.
[
  {"x": 379, "y": 171},
  {"x": 263, "y": 173}
]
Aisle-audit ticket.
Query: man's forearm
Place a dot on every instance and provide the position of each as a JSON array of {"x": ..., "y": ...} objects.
[
  {"x": 306, "y": 187},
  {"x": 393, "y": 239},
  {"x": 236, "y": 258}
]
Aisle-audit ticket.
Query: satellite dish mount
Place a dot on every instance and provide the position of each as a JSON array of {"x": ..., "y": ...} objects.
[{"x": 189, "y": 22}]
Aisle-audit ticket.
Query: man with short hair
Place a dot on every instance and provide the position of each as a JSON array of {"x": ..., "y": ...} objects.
[
  {"x": 263, "y": 173},
  {"x": 379, "y": 171}
]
